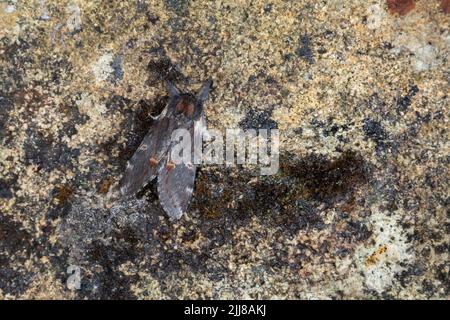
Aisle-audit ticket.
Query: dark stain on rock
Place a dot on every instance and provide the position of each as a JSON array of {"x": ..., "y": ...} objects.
[
  {"x": 304, "y": 51},
  {"x": 63, "y": 194},
  {"x": 301, "y": 215},
  {"x": 288, "y": 202},
  {"x": 223, "y": 193},
  {"x": 325, "y": 180},
  {"x": 306, "y": 181},
  {"x": 117, "y": 103}
]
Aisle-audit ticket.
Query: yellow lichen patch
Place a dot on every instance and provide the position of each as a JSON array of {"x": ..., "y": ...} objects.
[
  {"x": 376, "y": 256},
  {"x": 148, "y": 288},
  {"x": 8, "y": 18},
  {"x": 100, "y": 127},
  {"x": 46, "y": 287}
]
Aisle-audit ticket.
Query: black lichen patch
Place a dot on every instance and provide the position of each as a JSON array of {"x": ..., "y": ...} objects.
[
  {"x": 375, "y": 131},
  {"x": 13, "y": 238},
  {"x": 354, "y": 230},
  {"x": 178, "y": 6},
  {"x": 6, "y": 105},
  {"x": 47, "y": 152},
  {"x": 19, "y": 61},
  {"x": 304, "y": 51},
  {"x": 404, "y": 102},
  {"x": 268, "y": 8},
  {"x": 110, "y": 282},
  {"x": 142, "y": 7},
  {"x": 5, "y": 190},
  {"x": 117, "y": 74},
  {"x": 75, "y": 118},
  {"x": 15, "y": 246},
  {"x": 163, "y": 69},
  {"x": 335, "y": 130},
  {"x": 58, "y": 72},
  {"x": 258, "y": 120},
  {"x": 14, "y": 282},
  {"x": 442, "y": 275},
  {"x": 117, "y": 103},
  {"x": 62, "y": 205}
]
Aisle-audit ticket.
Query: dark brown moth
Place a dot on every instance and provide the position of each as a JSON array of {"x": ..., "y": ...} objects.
[{"x": 153, "y": 157}]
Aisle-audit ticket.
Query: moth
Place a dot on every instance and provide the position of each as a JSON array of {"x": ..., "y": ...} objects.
[{"x": 175, "y": 182}]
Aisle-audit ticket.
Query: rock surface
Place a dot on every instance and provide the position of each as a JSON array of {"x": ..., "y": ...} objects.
[{"x": 358, "y": 209}]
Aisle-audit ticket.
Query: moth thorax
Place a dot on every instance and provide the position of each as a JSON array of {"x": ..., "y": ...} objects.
[{"x": 186, "y": 106}]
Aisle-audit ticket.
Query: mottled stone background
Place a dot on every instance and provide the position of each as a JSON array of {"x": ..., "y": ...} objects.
[{"x": 358, "y": 89}]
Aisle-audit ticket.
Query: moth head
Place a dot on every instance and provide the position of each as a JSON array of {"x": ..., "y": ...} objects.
[{"x": 189, "y": 105}]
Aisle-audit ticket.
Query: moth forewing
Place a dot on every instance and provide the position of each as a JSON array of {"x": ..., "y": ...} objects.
[{"x": 143, "y": 165}]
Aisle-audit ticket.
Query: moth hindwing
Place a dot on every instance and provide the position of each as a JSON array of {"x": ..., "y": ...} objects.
[{"x": 153, "y": 157}]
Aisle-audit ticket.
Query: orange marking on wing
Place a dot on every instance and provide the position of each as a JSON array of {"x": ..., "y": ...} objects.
[
  {"x": 170, "y": 166},
  {"x": 153, "y": 162}
]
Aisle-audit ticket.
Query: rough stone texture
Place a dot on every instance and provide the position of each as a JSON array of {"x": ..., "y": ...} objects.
[{"x": 359, "y": 208}]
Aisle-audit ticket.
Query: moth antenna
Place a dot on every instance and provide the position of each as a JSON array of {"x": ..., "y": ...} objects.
[
  {"x": 202, "y": 95},
  {"x": 173, "y": 91}
]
